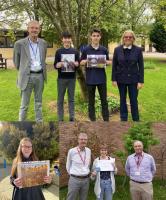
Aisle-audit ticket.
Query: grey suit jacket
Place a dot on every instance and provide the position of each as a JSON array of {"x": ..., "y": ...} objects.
[{"x": 22, "y": 60}]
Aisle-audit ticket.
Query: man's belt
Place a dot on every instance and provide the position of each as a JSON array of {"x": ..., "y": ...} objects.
[
  {"x": 139, "y": 182},
  {"x": 36, "y": 72},
  {"x": 81, "y": 177}
]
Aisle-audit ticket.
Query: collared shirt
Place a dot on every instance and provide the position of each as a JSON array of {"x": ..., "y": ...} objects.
[
  {"x": 142, "y": 171},
  {"x": 95, "y": 76},
  {"x": 127, "y": 47},
  {"x": 35, "y": 56},
  {"x": 78, "y": 162}
]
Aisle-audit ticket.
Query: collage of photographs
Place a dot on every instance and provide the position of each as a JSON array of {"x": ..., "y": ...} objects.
[{"x": 82, "y": 100}]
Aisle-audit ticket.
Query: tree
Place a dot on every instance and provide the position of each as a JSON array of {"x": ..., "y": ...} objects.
[
  {"x": 10, "y": 137},
  {"x": 158, "y": 36}
]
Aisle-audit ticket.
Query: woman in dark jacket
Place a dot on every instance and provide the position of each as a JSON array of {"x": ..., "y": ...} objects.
[
  {"x": 128, "y": 74},
  {"x": 25, "y": 153}
]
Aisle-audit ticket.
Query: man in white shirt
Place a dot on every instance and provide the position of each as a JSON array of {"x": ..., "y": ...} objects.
[{"x": 78, "y": 167}]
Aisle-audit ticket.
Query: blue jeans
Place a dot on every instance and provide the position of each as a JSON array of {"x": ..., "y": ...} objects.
[{"x": 106, "y": 190}]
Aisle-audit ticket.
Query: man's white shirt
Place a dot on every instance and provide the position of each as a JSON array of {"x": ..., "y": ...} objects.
[{"x": 78, "y": 162}]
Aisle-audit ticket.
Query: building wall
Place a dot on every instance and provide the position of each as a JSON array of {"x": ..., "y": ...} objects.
[
  {"x": 111, "y": 133},
  {"x": 8, "y": 52}
]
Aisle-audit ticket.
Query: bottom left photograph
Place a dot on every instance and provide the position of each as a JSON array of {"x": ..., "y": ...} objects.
[{"x": 29, "y": 161}]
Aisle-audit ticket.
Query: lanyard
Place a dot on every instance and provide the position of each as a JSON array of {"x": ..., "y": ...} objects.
[
  {"x": 138, "y": 162},
  {"x": 82, "y": 159},
  {"x": 34, "y": 53}
]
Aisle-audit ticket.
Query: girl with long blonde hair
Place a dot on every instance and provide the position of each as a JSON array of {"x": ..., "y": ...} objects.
[{"x": 25, "y": 153}]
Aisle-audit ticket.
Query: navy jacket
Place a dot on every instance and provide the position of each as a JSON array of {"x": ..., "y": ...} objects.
[{"x": 128, "y": 68}]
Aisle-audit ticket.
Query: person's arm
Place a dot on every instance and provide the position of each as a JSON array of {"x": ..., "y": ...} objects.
[
  {"x": 127, "y": 167},
  {"x": 141, "y": 70},
  {"x": 16, "y": 55},
  {"x": 77, "y": 59},
  {"x": 68, "y": 162},
  {"x": 93, "y": 172},
  {"x": 153, "y": 166},
  {"x": 108, "y": 61},
  {"x": 114, "y": 68},
  {"x": 115, "y": 168},
  {"x": 83, "y": 60},
  {"x": 57, "y": 60}
]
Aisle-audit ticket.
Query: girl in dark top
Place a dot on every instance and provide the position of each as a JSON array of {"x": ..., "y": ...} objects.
[
  {"x": 25, "y": 153},
  {"x": 128, "y": 74},
  {"x": 105, "y": 182}
]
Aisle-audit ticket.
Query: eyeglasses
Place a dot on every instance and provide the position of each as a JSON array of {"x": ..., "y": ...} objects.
[
  {"x": 26, "y": 147},
  {"x": 128, "y": 37}
]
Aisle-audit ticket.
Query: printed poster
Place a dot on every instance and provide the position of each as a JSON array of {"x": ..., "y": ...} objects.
[
  {"x": 33, "y": 173},
  {"x": 96, "y": 61},
  {"x": 68, "y": 60}
]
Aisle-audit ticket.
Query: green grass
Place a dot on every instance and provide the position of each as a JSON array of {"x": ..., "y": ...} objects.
[
  {"x": 152, "y": 103},
  {"x": 122, "y": 193}
]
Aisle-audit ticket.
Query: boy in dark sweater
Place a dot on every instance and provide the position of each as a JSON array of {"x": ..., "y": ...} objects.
[
  {"x": 95, "y": 57},
  {"x": 66, "y": 62}
]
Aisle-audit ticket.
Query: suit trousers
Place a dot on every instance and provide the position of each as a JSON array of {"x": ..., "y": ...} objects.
[
  {"x": 141, "y": 191},
  {"x": 102, "y": 89},
  {"x": 77, "y": 188},
  {"x": 36, "y": 83},
  {"x": 133, "y": 94},
  {"x": 62, "y": 86}
]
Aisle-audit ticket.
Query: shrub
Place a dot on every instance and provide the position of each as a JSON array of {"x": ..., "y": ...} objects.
[{"x": 44, "y": 137}]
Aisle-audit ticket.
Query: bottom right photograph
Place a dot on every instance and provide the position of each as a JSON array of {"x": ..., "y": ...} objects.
[{"x": 112, "y": 161}]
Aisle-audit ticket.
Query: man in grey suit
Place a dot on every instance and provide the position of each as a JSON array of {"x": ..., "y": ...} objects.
[{"x": 29, "y": 59}]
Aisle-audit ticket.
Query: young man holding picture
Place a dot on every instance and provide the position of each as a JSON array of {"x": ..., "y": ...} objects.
[
  {"x": 95, "y": 57},
  {"x": 66, "y": 62}
]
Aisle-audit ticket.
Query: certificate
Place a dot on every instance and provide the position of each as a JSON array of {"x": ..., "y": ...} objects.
[
  {"x": 68, "y": 60},
  {"x": 106, "y": 165},
  {"x": 33, "y": 173},
  {"x": 96, "y": 61}
]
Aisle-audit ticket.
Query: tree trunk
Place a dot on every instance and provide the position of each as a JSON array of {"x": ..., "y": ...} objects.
[{"x": 83, "y": 87}]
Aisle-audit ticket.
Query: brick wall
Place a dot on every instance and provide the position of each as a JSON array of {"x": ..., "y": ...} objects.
[{"x": 110, "y": 133}]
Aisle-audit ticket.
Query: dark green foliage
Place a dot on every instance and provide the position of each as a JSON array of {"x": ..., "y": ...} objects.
[
  {"x": 45, "y": 141},
  {"x": 158, "y": 36},
  {"x": 142, "y": 132},
  {"x": 44, "y": 137},
  {"x": 10, "y": 137}
]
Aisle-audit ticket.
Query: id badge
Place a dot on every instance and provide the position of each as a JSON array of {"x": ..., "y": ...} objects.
[
  {"x": 137, "y": 173},
  {"x": 36, "y": 64}
]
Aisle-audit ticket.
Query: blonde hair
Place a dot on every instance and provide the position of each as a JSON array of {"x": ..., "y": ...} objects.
[
  {"x": 19, "y": 156},
  {"x": 128, "y": 31}
]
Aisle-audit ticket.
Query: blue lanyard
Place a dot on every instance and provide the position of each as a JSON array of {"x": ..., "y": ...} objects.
[{"x": 34, "y": 53}]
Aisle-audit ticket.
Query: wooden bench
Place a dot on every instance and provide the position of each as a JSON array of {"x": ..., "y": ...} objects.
[{"x": 3, "y": 62}]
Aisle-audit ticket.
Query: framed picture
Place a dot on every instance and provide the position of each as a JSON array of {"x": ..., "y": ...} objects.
[
  {"x": 96, "y": 61},
  {"x": 106, "y": 165},
  {"x": 68, "y": 60},
  {"x": 33, "y": 173}
]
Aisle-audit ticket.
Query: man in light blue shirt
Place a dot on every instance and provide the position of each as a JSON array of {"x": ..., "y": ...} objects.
[
  {"x": 140, "y": 167},
  {"x": 29, "y": 59}
]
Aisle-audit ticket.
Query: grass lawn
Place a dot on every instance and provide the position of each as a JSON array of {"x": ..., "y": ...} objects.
[
  {"x": 152, "y": 98},
  {"x": 122, "y": 193}
]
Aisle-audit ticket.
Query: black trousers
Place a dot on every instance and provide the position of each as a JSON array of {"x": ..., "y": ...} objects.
[
  {"x": 133, "y": 94},
  {"x": 102, "y": 89}
]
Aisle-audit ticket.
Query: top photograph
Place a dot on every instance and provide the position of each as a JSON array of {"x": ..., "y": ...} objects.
[{"x": 72, "y": 61}]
